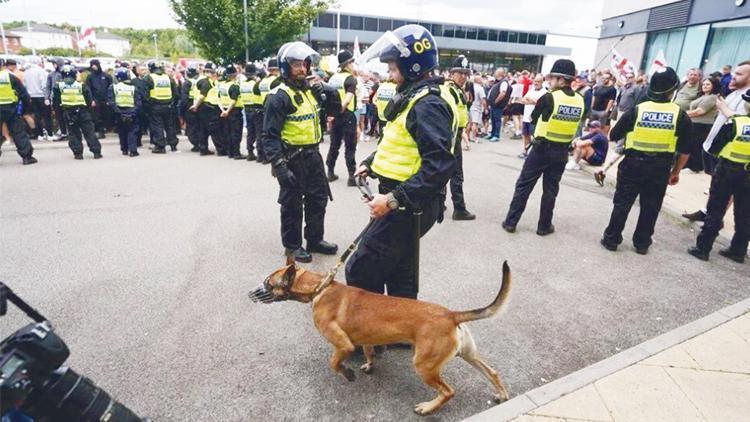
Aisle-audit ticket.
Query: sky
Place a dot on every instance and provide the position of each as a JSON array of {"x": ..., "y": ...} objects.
[{"x": 574, "y": 17}]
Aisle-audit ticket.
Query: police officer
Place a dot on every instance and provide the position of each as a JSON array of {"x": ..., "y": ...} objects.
[
  {"x": 126, "y": 102},
  {"x": 459, "y": 73},
  {"x": 413, "y": 163},
  {"x": 386, "y": 91},
  {"x": 252, "y": 104},
  {"x": 556, "y": 117},
  {"x": 11, "y": 92},
  {"x": 653, "y": 131},
  {"x": 292, "y": 133},
  {"x": 344, "y": 124},
  {"x": 140, "y": 72},
  {"x": 206, "y": 104},
  {"x": 162, "y": 96},
  {"x": 75, "y": 99},
  {"x": 231, "y": 107},
  {"x": 731, "y": 179},
  {"x": 188, "y": 91},
  {"x": 262, "y": 89}
]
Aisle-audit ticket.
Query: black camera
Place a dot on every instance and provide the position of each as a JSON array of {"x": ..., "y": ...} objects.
[{"x": 33, "y": 382}]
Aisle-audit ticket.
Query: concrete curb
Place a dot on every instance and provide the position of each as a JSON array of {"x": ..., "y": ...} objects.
[{"x": 554, "y": 390}]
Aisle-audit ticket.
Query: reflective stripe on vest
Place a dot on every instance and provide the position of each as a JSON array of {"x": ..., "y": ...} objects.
[
  {"x": 458, "y": 96},
  {"x": 337, "y": 81},
  {"x": 738, "y": 150},
  {"x": 385, "y": 92},
  {"x": 247, "y": 92},
  {"x": 162, "y": 90},
  {"x": 194, "y": 92},
  {"x": 71, "y": 95},
  {"x": 655, "y": 128},
  {"x": 397, "y": 156},
  {"x": 302, "y": 127},
  {"x": 124, "y": 95},
  {"x": 567, "y": 112},
  {"x": 224, "y": 98},
  {"x": 7, "y": 94},
  {"x": 212, "y": 96},
  {"x": 265, "y": 87}
]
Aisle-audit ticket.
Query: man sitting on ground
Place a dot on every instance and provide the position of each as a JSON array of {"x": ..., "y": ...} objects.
[{"x": 591, "y": 147}]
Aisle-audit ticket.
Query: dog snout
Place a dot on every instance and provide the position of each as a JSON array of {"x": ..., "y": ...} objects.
[{"x": 261, "y": 295}]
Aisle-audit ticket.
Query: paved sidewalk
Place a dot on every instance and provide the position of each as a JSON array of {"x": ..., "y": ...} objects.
[{"x": 706, "y": 378}]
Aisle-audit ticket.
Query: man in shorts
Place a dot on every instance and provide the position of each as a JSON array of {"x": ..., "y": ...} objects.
[{"x": 591, "y": 147}]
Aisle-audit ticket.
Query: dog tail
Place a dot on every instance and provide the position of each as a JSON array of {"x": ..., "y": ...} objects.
[{"x": 494, "y": 307}]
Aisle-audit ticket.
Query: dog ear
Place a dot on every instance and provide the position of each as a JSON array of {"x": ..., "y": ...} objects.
[
  {"x": 288, "y": 277},
  {"x": 289, "y": 259}
]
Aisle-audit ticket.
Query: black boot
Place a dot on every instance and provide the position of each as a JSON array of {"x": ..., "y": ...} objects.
[
  {"x": 300, "y": 255},
  {"x": 97, "y": 155},
  {"x": 351, "y": 181},
  {"x": 251, "y": 156},
  {"x": 695, "y": 216},
  {"x": 195, "y": 149},
  {"x": 698, "y": 253},
  {"x": 726, "y": 253},
  {"x": 545, "y": 232},
  {"x": 29, "y": 160},
  {"x": 207, "y": 152},
  {"x": 158, "y": 150},
  {"x": 240, "y": 157},
  {"x": 326, "y": 248},
  {"x": 134, "y": 153},
  {"x": 78, "y": 156},
  {"x": 332, "y": 177},
  {"x": 173, "y": 148},
  {"x": 463, "y": 215}
]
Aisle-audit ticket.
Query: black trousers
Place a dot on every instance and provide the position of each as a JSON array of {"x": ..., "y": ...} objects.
[
  {"x": 306, "y": 199},
  {"x": 730, "y": 180},
  {"x": 546, "y": 160},
  {"x": 161, "y": 121},
  {"x": 210, "y": 120},
  {"x": 646, "y": 178},
  {"x": 258, "y": 123},
  {"x": 344, "y": 129},
  {"x": 457, "y": 180},
  {"x": 42, "y": 117},
  {"x": 61, "y": 124},
  {"x": 80, "y": 123},
  {"x": 699, "y": 134},
  {"x": 17, "y": 130},
  {"x": 102, "y": 116},
  {"x": 231, "y": 127},
  {"x": 193, "y": 128},
  {"x": 253, "y": 131},
  {"x": 384, "y": 260},
  {"x": 127, "y": 130}
]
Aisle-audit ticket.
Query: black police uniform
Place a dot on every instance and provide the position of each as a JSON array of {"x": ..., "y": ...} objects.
[
  {"x": 145, "y": 111},
  {"x": 259, "y": 119},
  {"x": 162, "y": 118},
  {"x": 126, "y": 120},
  {"x": 251, "y": 120},
  {"x": 210, "y": 120},
  {"x": 644, "y": 174},
  {"x": 79, "y": 121},
  {"x": 193, "y": 128},
  {"x": 457, "y": 180},
  {"x": 344, "y": 129},
  {"x": 231, "y": 125},
  {"x": 16, "y": 126},
  {"x": 385, "y": 256}
]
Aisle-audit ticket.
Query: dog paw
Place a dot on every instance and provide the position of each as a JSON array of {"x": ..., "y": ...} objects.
[
  {"x": 423, "y": 409},
  {"x": 366, "y": 368},
  {"x": 348, "y": 374},
  {"x": 500, "y": 398}
]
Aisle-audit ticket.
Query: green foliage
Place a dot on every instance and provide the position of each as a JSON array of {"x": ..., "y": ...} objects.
[
  {"x": 62, "y": 52},
  {"x": 217, "y": 27}
]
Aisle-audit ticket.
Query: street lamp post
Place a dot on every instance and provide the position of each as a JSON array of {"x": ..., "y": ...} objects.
[
  {"x": 337, "y": 6},
  {"x": 247, "y": 47},
  {"x": 156, "y": 47}
]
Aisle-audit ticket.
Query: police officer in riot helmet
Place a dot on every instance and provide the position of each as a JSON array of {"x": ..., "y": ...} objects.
[
  {"x": 162, "y": 97},
  {"x": 292, "y": 132},
  {"x": 413, "y": 163},
  {"x": 75, "y": 98}
]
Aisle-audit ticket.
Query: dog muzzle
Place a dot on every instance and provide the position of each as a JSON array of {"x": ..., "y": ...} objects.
[{"x": 264, "y": 294}]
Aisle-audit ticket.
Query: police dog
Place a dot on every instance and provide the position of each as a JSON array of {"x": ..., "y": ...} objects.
[{"x": 348, "y": 316}]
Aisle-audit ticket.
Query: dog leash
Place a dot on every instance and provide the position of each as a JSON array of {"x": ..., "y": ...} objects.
[{"x": 364, "y": 188}]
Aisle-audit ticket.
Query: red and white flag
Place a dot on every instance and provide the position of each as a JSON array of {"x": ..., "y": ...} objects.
[
  {"x": 87, "y": 38},
  {"x": 658, "y": 63},
  {"x": 356, "y": 52},
  {"x": 621, "y": 66}
]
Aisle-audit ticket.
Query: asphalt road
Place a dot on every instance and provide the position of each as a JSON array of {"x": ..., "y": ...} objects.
[{"x": 144, "y": 264}]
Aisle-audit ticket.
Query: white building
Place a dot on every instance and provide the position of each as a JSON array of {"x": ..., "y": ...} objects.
[
  {"x": 112, "y": 44},
  {"x": 40, "y": 36}
]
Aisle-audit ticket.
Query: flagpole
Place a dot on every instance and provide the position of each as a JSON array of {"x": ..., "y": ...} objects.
[
  {"x": 78, "y": 42},
  {"x": 610, "y": 51},
  {"x": 28, "y": 29}
]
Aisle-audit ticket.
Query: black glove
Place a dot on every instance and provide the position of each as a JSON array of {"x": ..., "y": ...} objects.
[
  {"x": 283, "y": 174},
  {"x": 317, "y": 89}
]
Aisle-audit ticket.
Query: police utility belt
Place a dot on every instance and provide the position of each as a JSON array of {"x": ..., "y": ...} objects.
[
  {"x": 292, "y": 151},
  {"x": 649, "y": 156},
  {"x": 734, "y": 165}
]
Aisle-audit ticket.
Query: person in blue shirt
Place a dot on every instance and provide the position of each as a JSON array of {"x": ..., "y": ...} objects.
[
  {"x": 726, "y": 77},
  {"x": 591, "y": 147}
]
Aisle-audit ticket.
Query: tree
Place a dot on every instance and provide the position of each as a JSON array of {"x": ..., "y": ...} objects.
[{"x": 217, "y": 27}]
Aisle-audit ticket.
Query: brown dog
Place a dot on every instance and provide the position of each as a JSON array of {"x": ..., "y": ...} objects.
[{"x": 347, "y": 316}]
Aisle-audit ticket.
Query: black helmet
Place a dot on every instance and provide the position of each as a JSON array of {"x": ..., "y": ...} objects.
[
  {"x": 192, "y": 71},
  {"x": 461, "y": 64},
  {"x": 209, "y": 67},
  {"x": 250, "y": 69},
  {"x": 345, "y": 57},
  {"x": 296, "y": 51},
  {"x": 663, "y": 81},
  {"x": 411, "y": 47},
  {"x": 273, "y": 63},
  {"x": 230, "y": 69},
  {"x": 151, "y": 66},
  {"x": 565, "y": 68},
  {"x": 69, "y": 72}
]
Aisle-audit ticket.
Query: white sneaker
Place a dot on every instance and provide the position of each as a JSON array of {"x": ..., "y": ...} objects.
[{"x": 572, "y": 166}]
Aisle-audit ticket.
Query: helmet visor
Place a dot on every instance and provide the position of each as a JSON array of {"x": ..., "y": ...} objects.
[
  {"x": 387, "y": 47},
  {"x": 299, "y": 51}
]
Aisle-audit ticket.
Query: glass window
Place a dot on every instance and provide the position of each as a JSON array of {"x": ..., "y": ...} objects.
[
  {"x": 532, "y": 38},
  {"x": 460, "y": 32},
  {"x": 355, "y": 22},
  {"x": 523, "y": 38},
  {"x": 482, "y": 34},
  {"x": 397, "y": 24},
  {"x": 344, "y": 21},
  {"x": 695, "y": 44},
  {"x": 492, "y": 35},
  {"x": 504, "y": 36},
  {"x": 668, "y": 43},
  {"x": 449, "y": 31},
  {"x": 513, "y": 37},
  {"x": 327, "y": 20},
  {"x": 384, "y": 25},
  {"x": 371, "y": 24},
  {"x": 729, "y": 43},
  {"x": 437, "y": 29},
  {"x": 541, "y": 39},
  {"x": 471, "y": 33}
]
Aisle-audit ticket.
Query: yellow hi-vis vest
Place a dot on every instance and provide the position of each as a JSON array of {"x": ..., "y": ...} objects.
[
  {"x": 397, "y": 156},
  {"x": 71, "y": 95},
  {"x": 337, "y": 81},
  {"x": 7, "y": 94},
  {"x": 302, "y": 127},
  {"x": 124, "y": 95},
  {"x": 162, "y": 90},
  {"x": 247, "y": 92},
  {"x": 265, "y": 87},
  {"x": 212, "y": 96},
  {"x": 194, "y": 92},
  {"x": 738, "y": 150},
  {"x": 655, "y": 128},
  {"x": 460, "y": 100},
  {"x": 567, "y": 112},
  {"x": 224, "y": 98},
  {"x": 385, "y": 92}
]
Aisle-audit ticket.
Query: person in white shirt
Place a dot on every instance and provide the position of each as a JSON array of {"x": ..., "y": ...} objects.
[
  {"x": 516, "y": 107},
  {"x": 35, "y": 80},
  {"x": 529, "y": 102},
  {"x": 477, "y": 108}
]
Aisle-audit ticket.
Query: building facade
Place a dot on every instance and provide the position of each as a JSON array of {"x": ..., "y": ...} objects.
[
  {"x": 705, "y": 34},
  {"x": 40, "y": 36},
  {"x": 486, "y": 48},
  {"x": 114, "y": 45},
  {"x": 12, "y": 44}
]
